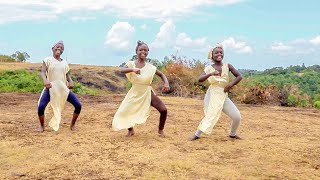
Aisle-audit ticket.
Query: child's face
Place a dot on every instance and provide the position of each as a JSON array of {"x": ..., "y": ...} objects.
[
  {"x": 58, "y": 49},
  {"x": 217, "y": 54},
  {"x": 142, "y": 51}
]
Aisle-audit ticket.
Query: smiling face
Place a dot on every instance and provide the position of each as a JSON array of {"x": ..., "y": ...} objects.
[
  {"x": 142, "y": 51},
  {"x": 217, "y": 54},
  {"x": 58, "y": 50}
]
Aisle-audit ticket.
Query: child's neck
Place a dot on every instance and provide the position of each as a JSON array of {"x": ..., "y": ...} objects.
[
  {"x": 141, "y": 60},
  {"x": 217, "y": 62},
  {"x": 57, "y": 57}
]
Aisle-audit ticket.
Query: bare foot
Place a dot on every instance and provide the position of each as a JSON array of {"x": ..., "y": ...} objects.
[
  {"x": 40, "y": 129},
  {"x": 235, "y": 137},
  {"x": 130, "y": 133},
  {"x": 73, "y": 127},
  {"x": 194, "y": 137},
  {"x": 161, "y": 133}
]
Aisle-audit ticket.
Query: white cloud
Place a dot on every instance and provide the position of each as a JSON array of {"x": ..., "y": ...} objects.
[
  {"x": 279, "y": 46},
  {"x": 237, "y": 46},
  {"x": 15, "y": 14},
  {"x": 80, "y": 18},
  {"x": 165, "y": 35},
  {"x": 297, "y": 46},
  {"x": 20, "y": 10},
  {"x": 119, "y": 37},
  {"x": 315, "y": 41},
  {"x": 184, "y": 40}
]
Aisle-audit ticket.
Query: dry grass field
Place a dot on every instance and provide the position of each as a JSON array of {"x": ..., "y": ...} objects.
[{"x": 278, "y": 142}]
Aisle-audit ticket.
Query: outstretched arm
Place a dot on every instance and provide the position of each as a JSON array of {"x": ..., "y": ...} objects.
[
  {"x": 166, "y": 86},
  {"x": 238, "y": 78}
]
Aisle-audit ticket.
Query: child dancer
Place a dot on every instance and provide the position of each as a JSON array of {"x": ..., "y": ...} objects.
[
  {"x": 136, "y": 106},
  {"x": 216, "y": 99},
  {"x": 57, "y": 82}
]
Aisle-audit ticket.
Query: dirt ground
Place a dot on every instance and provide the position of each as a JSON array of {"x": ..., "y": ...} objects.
[{"x": 278, "y": 143}]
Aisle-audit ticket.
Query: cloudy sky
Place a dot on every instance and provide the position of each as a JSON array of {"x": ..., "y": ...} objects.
[{"x": 256, "y": 34}]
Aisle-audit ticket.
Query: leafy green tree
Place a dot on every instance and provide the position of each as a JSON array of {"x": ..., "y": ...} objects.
[{"x": 20, "y": 56}]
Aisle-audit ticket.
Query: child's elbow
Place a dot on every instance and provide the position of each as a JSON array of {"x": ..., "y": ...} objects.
[{"x": 240, "y": 77}]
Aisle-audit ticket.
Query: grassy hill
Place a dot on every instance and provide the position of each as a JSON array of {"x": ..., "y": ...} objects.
[
  {"x": 297, "y": 86},
  {"x": 18, "y": 77}
]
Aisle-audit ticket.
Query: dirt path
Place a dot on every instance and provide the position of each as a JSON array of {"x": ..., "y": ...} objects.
[{"x": 279, "y": 143}]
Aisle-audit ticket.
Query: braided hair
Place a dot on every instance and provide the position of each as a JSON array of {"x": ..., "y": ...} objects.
[{"x": 139, "y": 43}]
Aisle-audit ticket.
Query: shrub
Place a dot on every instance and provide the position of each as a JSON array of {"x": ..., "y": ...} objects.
[
  {"x": 20, "y": 81},
  {"x": 317, "y": 104},
  {"x": 292, "y": 100}
]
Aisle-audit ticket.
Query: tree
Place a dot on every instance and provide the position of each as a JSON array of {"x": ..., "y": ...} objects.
[
  {"x": 20, "y": 56},
  {"x": 134, "y": 57}
]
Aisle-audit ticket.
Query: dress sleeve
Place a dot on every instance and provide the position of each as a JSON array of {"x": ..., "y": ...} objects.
[
  {"x": 46, "y": 62},
  {"x": 207, "y": 69},
  {"x": 130, "y": 64}
]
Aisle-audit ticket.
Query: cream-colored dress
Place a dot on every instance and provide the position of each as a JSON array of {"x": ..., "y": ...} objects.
[
  {"x": 56, "y": 74},
  {"x": 214, "y": 98},
  {"x": 136, "y": 106}
]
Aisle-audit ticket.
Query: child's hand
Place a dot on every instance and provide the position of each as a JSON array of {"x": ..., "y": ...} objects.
[
  {"x": 166, "y": 87},
  {"x": 47, "y": 84},
  {"x": 70, "y": 85},
  {"x": 227, "y": 88},
  {"x": 136, "y": 70},
  {"x": 215, "y": 73}
]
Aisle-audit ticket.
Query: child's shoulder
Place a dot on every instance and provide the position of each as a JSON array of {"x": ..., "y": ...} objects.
[
  {"x": 47, "y": 58},
  {"x": 150, "y": 64},
  {"x": 130, "y": 61},
  {"x": 208, "y": 66},
  {"x": 130, "y": 64}
]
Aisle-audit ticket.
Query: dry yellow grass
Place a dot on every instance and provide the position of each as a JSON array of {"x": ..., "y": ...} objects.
[
  {"x": 17, "y": 65},
  {"x": 279, "y": 143}
]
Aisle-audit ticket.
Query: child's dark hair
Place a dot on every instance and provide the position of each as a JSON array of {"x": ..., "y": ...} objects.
[{"x": 139, "y": 43}]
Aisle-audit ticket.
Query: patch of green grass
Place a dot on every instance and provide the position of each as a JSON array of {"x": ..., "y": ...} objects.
[
  {"x": 25, "y": 81},
  {"x": 20, "y": 81}
]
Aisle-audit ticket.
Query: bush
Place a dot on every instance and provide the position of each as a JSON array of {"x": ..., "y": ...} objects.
[
  {"x": 20, "y": 81},
  {"x": 317, "y": 97},
  {"x": 317, "y": 104},
  {"x": 303, "y": 103},
  {"x": 81, "y": 89},
  {"x": 183, "y": 77},
  {"x": 292, "y": 100}
]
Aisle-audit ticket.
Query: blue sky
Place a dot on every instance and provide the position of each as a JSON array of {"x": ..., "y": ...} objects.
[{"x": 256, "y": 34}]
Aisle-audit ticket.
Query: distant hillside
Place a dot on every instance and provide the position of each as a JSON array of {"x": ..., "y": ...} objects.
[
  {"x": 291, "y": 86},
  {"x": 88, "y": 79}
]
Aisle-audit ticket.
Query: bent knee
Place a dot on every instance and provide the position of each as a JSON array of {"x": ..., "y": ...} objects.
[
  {"x": 77, "y": 108},
  {"x": 237, "y": 117},
  {"x": 41, "y": 109},
  {"x": 163, "y": 110}
]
